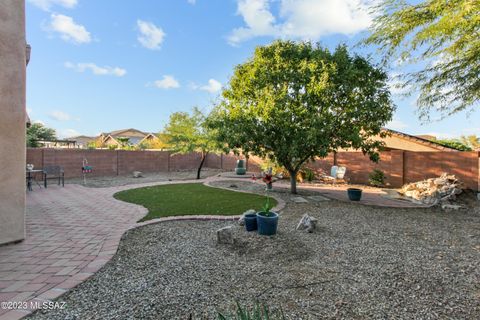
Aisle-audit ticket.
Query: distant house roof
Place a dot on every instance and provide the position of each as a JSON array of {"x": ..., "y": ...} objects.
[
  {"x": 126, "y": 133},
  {"x": 135, "y": 136},
  {"x": 420, "y": 140},
  {"x": 82, "y": 140}
]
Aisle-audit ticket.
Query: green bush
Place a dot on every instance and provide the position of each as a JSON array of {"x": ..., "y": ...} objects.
[
  {"x": 258, "y": 312},
  {"x": 377, "y": 178},
  {"x": 308, "y": 174}
]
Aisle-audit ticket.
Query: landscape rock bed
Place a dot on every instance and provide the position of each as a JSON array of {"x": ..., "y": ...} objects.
[
  {"x": 432, "y": 191},
  {"x": 116, "y": 181},
  {"x": 361, "y": 262}
]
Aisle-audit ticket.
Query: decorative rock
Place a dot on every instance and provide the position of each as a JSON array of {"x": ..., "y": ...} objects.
[
  {"x": 430, "y": 191},
  {"x": 448, "y": 206},
  {"x": 299, "y": 200},
  {"x": 137, "y": 174},
  {"x": 307, "y": 223},
  {"x": 225, "y": 235},
  {"x": 318, "y": 198},
  {"x": 241, "y": 221},
  {"x": 233, "y": 186}
]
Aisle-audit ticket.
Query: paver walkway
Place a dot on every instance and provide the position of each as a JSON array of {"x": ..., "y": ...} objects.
[{"x": 71, "y": 233}]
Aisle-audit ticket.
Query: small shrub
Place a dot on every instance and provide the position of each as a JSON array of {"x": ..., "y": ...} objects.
[
  {"x": 276, "y": 168},
  {"x": 258, "y": 312},
  {"x": 377, "y": 178},
  {"x": 309, "y": 174}
]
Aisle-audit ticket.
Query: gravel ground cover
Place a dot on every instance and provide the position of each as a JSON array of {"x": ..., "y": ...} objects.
[
  {"x": 116, "y": 181},
  {"x": 361, "y": 263}
]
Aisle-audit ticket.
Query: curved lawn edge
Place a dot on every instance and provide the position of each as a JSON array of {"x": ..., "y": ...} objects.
[
  {"x": 152, "y": 210},
  {"x": 280, "y": 202}
]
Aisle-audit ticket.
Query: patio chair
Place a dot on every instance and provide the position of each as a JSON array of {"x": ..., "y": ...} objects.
[
  {"x": 337, "y": 174},
  {"x": 53, "y": 172}
]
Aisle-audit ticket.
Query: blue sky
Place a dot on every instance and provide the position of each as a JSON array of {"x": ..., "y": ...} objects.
[{"x": 98, "y": 66}]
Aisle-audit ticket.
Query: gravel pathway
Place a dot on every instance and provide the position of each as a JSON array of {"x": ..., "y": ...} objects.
[
  {"x": 361, "y": 263},
  {"x": 116, "y": 181}
]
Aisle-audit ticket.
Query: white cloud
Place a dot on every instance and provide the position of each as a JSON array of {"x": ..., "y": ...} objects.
[
  {"x": 60, "y": 116},
  {"x": 151, "y": 36},
  {"x": 396, "y": 124},
  {"x": 67, "y": 133},
  {"x": 192, "y": 1},
  {"x": 212, "y": 86},
  {"x": 167, "y": 82},
  {"x": 96, "y": 70},
  {"x": 69, "y": 30},
  {"x": 47, "y": 4},
  {"x": 303, "y": 19}
]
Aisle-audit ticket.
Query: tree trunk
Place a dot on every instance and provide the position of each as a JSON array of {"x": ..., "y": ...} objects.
[
  {"x": 293, "y": 182},
  {"x": 204, "y": 156}
]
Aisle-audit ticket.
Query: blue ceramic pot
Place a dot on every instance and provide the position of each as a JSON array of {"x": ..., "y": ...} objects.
[
  {"x": 267, "y": 225},
  {"x": 354, "y": 194},
  {"x": 251, "y": 222}
]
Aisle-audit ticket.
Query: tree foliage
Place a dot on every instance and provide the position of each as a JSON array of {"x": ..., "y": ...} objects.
[
  {"x": 188, "y": 133},
  {"x": 295, "y": 101},
  {"x": 454, "y": 143},
  {"x": 440, "y": 40},
  {"x": 37, "y": 132},
  {"x": 472, "y": 141}
]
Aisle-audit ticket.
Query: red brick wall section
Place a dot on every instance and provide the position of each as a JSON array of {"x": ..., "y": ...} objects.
[
  {"x": 214, "y": 161},
  {"x": 422, "y": 165},
  {"x": 254, "y": 164},
  {"x": 189, "y": 161},
  {"x": 399, "y": 166},
  {"x": 321, "y": 165},
  {"x": 104, "y": 163},
  {"x": 359, "y": 166},
  {"x": 145, "y": 161},
  {"x": 35, "y": 157},
  {"x": 229, "y": 161}
]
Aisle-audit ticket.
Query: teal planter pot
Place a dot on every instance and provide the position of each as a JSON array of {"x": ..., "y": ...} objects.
[
  {"x": 354, "y": 194},
  {"x": 267, "y": 225},
  {"x": 251, "y": 222},
  {"x": 240, "y": 168}
]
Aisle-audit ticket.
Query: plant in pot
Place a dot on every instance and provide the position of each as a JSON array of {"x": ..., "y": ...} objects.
[
  {"x": 267, "y": 178},
  {"x": 267, "y": 221},
  {"x": 250, "y": 219}
]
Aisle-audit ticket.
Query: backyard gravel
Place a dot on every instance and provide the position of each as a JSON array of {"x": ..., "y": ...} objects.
[
  {"x": 116, "y": 181},
  {"x": 361, "y": 263}
]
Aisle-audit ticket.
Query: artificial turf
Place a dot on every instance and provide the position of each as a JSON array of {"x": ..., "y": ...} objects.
[{"x": 191, "y": 199}]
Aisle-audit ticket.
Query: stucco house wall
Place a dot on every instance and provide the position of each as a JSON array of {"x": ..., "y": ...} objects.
[{"x": 12, "y": 121}]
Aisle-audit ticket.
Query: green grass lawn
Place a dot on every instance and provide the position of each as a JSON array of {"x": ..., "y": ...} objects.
[{"x": 191, "y": 199}]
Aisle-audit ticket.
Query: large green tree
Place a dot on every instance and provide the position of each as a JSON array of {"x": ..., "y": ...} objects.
[
  {"x": 294, "y": 101},
  {"x": 37, "y": 132},
  {"x": 188, "y": 133},
  {"x": 439, "y": 40}
]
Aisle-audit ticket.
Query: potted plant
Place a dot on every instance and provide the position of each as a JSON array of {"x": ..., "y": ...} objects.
[
  {"x": 354, "y": 194},
  {"x": 250, "y": 219},
  {"x": 267, "y": 178},
  {"x": 267, "y": 220}
]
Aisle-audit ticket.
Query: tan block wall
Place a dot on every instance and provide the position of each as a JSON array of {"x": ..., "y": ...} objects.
[{"x": 12, "y": 121}]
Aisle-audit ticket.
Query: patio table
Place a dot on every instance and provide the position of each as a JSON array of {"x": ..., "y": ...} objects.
[{"x": 30, "y": 176}]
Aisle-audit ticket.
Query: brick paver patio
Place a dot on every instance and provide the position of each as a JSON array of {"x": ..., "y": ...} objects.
[{"x": 71, "y": 233}]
